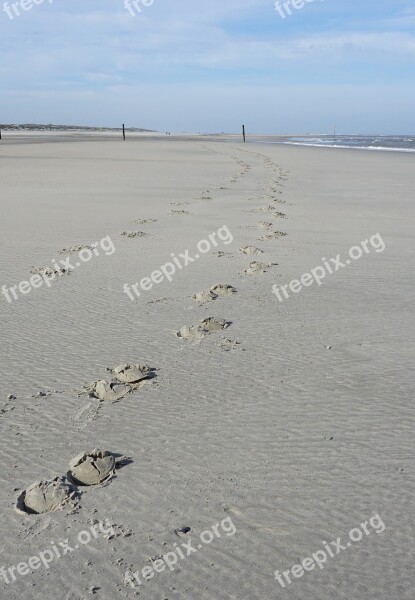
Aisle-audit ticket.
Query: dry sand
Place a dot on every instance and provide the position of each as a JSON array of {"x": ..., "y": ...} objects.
[{"x": 296, "y": 421}]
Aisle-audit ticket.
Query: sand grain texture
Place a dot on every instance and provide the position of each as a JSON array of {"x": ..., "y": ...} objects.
[{"x": 298, "y": 427}]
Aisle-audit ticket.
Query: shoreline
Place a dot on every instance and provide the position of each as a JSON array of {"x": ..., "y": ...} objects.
[{"x": 61, "y": 136}]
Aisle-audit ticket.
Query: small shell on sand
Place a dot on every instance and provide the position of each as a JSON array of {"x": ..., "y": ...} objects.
[
  {"x": 222, "y": 289},
  {"x": 92, "y": 468},
  {"x": 249, "y": 250},
  {"x": 131, "y": 373},
  {"x": 44, "y": 497},
  {"x": 108, "y": 390}
]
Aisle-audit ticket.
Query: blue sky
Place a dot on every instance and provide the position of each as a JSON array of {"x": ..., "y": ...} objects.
[{"x": 210, "y": 65}]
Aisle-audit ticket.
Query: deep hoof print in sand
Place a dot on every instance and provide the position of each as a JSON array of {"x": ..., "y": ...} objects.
[
  {"x": 217, "y": 290},
  {"x": 222, "y": 289},
  {"x": 46, "y": 496},
  {"x": 92, "y": 468},
  {"x": 197, "y": 333},
  {"x": 250, "y": 250},
  {"x": 213, "y": 324},
  {"x": 127, "y": 378},
  {"x": 134, "y": 375},
  {"x": 107, "y": 391},
  {"x": 258, "y": 267},
  {"x": 134, "y": 234},
  {"x": 272, "y": 236},
  {"x": 179, "y": 212},
  {"x": 191, "y": 334}
]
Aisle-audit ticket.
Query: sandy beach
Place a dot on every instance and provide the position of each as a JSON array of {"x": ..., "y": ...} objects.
[{"x": 260, "y": 428}]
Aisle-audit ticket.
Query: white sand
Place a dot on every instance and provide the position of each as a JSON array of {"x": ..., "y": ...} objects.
[{"x": 261, "y": 422}]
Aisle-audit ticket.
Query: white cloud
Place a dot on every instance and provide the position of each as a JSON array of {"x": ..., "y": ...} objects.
[{"x": 200, "y": 57}]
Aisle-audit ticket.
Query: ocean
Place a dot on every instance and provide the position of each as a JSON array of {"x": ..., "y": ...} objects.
[{"x": 395, "y": 143}]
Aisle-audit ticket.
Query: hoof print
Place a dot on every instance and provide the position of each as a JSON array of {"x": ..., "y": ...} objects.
[
  {"x": 108, "y": 390},
  {"x": 272, "y": 236},
  {"x": 257, "y": 267},
  {"x": 222, "y": 289},
  {"x": 212, "y": 324},
  {"x": 264, "y": 224},
  {"x": 92, "y": 468},
  {"x": 134, "y": 234},
  {"x": 144, "y": 221},
  {"x": 45, "y": 496},
  {"x": 191, "y": 334},
  {"x": 250, "y": 250},
  {"x": 132, "y": 373},
  {"x": 204, "y": 296}
]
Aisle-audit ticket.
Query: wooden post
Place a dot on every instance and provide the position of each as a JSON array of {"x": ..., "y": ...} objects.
[
  {"x": 123, "y": 131},
  {"x": 243, "y": 133}
]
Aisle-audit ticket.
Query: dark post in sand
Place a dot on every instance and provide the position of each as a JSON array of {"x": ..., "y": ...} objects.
[
  {"x": 243, "y": 133},
  {"x": 123, "y": 131}
]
